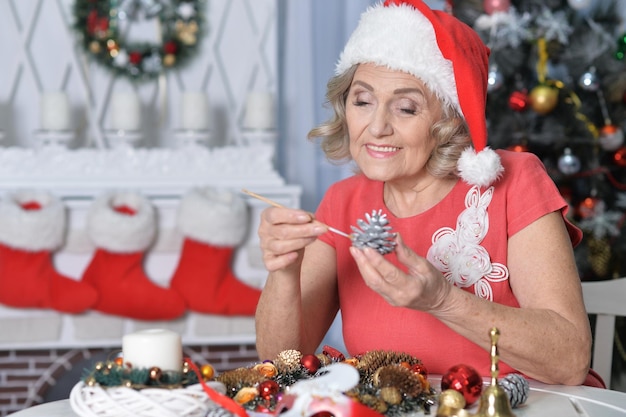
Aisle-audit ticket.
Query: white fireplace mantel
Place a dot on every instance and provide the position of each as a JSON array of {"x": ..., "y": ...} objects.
[{"x": 163, "y": 175}]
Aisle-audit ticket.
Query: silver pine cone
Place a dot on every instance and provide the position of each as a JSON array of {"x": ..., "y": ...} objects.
[{"x": 374, "y": 233}]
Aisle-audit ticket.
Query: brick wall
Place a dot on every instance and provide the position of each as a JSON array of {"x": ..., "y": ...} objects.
[{"x": 31, "y": 377}]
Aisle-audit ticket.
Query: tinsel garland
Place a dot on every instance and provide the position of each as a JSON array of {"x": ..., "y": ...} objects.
[{"x": 97, "y": 22}]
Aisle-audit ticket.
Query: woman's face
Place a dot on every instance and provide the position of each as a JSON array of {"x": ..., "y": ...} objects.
[{"x": 389, "y": 115}]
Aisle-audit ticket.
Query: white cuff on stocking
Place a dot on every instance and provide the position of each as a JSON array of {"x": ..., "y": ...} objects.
[
  {"x": 34, "y": 229},
  {"x": 210, "y": 215},
  {"x": 117, "y": 231}
]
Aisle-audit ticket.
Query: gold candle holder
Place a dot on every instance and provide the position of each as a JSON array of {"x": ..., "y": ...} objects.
[{"x": 494, "y": 401}]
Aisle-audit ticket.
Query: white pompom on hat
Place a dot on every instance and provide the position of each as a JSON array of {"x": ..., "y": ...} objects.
[{"x": 446, "y": 54}]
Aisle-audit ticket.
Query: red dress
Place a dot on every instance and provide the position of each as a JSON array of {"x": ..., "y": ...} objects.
[{"x": 465, "y": 236}]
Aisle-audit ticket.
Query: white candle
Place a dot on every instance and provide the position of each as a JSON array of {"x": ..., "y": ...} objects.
[
  {"x": 195, "y": 111},
  {"x": 125, "y": 111},
  {"x": 55, "y": 111},
  {"x": 259, "y": 111},
  {"x": 154, "y": 347}
]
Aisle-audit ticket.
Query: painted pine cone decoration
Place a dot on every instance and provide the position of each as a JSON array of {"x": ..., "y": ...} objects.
[
  {"x": 402, "y": 379},
  {"x": 238, "y": 378},
  {"x": 370, "y": 361},
  {"x": 288, "y": 360},
  {"x": 516, "y": 388},
  {"x": 374, "y": 233}
]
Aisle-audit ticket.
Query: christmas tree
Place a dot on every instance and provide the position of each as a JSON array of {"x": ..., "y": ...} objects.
[{"x": 557, "y": 88}]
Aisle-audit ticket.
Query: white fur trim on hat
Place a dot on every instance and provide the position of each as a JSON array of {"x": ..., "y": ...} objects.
[
  {"x": 32, "y": 230},
  {"x": 120, "y": 232},
  {"x": 401, "y": 38},
  {"x": 480, "y": 168},
  {"x": 210, "y": 215}
]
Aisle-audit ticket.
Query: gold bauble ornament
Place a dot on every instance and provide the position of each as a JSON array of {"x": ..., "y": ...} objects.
[
  {"x": 95, "y": 47},
  {"x": 169, "y": 60},
  {"x": 543, "y": 98},
  {"x": 207, "y": 371}
]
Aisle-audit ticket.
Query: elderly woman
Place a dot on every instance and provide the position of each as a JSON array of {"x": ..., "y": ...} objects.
[{"x": 482, "y": 238}]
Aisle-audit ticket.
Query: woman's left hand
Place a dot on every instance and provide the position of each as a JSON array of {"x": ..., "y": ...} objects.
[{"x": 422, "y": 287}]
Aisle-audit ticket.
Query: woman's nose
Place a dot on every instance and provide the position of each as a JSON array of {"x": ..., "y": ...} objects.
[{"x": 379, "y": 124}]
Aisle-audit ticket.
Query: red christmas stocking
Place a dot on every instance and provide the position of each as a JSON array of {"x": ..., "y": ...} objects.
[
  {"x": 122, "y": 226},
  {"x": 213, "y": 223},
  {"x": 32, "y": 225}
]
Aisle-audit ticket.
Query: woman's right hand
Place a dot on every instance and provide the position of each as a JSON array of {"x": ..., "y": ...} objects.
[{"x": 284, "y": 233}]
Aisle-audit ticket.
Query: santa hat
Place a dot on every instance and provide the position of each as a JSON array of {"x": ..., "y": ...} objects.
[{"x": 443, "y": 52}]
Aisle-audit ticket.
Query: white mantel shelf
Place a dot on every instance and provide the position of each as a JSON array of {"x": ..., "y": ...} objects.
[{"x": 158, "y": 171}]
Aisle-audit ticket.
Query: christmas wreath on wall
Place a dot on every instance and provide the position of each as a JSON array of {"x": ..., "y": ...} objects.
[{"x": 103, "y": 24}]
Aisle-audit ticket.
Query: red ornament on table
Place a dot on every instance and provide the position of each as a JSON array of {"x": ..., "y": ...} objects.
[
  {"x": 311, "y": 363},
  {"x": 464, "y": 379},
  {"x": 268, "y": 389},
  {"x": 420, "y": 369}
]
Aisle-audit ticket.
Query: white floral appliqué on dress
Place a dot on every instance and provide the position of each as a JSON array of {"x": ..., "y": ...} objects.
[{"x": 458, "y": 253}]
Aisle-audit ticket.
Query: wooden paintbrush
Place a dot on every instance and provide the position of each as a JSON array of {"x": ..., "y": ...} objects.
[{"x": 275, "y": 204}]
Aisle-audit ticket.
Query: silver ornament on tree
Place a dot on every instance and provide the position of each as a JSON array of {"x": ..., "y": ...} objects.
[
  {"x": 579, "y": 4},
  {"x": 569, "y": 163},
  {"x": 495, "y": 79},
  {"x": 589, "y": 81},
  {"x": 374, "y": 233},
  {"x": 611, "y": 137}
]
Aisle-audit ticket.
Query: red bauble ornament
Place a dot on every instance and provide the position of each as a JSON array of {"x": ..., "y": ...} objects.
[
  {"x": 518, "y": 101},
  {"x": 587, "y": 207},
  {"x": 134, "y": 58},
  {"x": 464, "y": 379},
  {"x": 611, "y": 137},
  {"x": 323, "y": 414},
  {"x": 268, "y": 389},
  {"x": 518, "y": 148},
  {"x": 420, "y": 369},
  {"x": 311, "y": 363},
  {"x": 619, "y": 157},
  {"x": 170, "y": 47}
]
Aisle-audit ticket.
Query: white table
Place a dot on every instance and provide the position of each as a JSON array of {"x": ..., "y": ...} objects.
[{"x": 543, "y": 401}]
